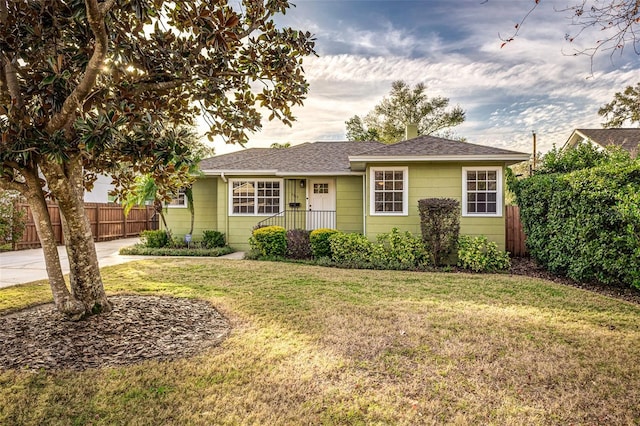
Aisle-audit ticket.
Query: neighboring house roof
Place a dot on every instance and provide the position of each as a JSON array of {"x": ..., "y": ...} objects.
[
  {"x": 343, "y": 158},
  {"x": 628, "y": 139}
]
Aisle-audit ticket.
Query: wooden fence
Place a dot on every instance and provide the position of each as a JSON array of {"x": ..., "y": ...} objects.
[
  {"x": 108, "y": 222},
  {"x": 515, "y": 235}
]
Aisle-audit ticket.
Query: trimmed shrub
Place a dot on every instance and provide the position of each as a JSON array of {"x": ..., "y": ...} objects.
[
  {"x": 585, "y": 224},
  {"x": 319, "y": 239},
  {"x": 400, "y": 250},
  {"x": 298, "y": 244},
  {"x": 154, "y": 239},
  {"x": 213, "y": 239},
  {"x": 440, "y": 226},
  {"x": 270, "y": 241},
  {"x": 481, "y": 255},
  {"x": 350, "y": 248}
]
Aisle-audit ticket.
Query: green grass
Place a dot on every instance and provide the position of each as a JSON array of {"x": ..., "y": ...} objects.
[{"x": 314, "y": 345}]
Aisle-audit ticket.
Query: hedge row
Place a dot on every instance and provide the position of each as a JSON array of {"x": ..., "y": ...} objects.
[
  {"x": 585, "y": 224},
  {"x": 394, "y": 250}
]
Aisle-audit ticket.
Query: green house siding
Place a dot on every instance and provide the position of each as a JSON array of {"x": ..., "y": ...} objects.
[
  {"x": 433, "y": 180},
  {"x": 205, "y": 218},
  {"x": 349, "y": 215}
]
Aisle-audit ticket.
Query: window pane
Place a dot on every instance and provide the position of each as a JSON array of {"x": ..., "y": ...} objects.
[
  {"x": 388, "y": 191},
  {"x": 482, "y": 191}
]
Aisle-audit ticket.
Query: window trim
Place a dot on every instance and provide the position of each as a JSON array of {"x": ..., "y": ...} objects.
[
  {"x": 255, "y": 197},
  {"x": 499, "y": 190},
  {"x": 184, "y": 205},
  {"x": 405, "y": 190}
]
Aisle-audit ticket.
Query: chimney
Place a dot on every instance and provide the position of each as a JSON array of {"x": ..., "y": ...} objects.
[{"x": 411, "y": 131}]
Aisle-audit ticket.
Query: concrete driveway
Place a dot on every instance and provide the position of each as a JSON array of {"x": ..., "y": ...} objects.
[{"x": 24, "y": 266}]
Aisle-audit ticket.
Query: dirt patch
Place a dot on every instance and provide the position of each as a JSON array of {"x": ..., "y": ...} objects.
[
  {"x": 528, "y": 267},
  {"x": 139, "y": 328}
]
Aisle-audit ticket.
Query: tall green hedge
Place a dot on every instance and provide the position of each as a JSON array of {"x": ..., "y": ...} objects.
[{"x": 585, "y": 224}]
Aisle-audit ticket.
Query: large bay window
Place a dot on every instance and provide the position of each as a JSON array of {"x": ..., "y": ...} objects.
[
  {"x": 389, "y": 190},
  {"x": 258, "y": 197},
  {"x": 482, "y": 191}
]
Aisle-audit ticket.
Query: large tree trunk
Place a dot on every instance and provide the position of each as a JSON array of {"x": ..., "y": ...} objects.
[
  {"x": 62, "y": 298},
  {"x": 66, "y": 184}
]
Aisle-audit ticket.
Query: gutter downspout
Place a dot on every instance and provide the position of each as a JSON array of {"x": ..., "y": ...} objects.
[
  {"x": 226, "y": 205},
  {"x": 364, "y": 203}
]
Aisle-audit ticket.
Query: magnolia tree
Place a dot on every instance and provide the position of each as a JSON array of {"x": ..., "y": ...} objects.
[{"x": 89, "y": 87}]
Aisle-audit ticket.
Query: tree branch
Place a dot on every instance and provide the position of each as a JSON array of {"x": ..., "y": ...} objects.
[
  {"x": 10, "y": 77},
  {"x": 73, "y": 103}
]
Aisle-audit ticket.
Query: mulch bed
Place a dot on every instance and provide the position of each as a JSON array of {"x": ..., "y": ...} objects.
[
  {"x": 139, "y": 328},
  {"x": 528, "y": 267}
]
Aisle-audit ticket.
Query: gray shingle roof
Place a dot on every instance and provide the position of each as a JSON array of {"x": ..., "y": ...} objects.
[
  {"x": 307, "y": 158},
  {"x": 333, "y": 158},
  {"x": 430, "y": 146},
  {"x": 628, "y": 139}
]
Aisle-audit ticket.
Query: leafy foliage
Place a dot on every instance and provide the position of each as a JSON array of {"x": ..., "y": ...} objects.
[
  {"x": 585, "y": 224},
  {"x": 320, "y": 245},
  {"x": 350, "y": 248},
  {"x": 440, "y": 226},
  {"x": 270, "y": 241},
  {"x": 139, "y": 250},
  {"x": 404, "y": 105},
  {"x": 298, "y": 244},
  {"x": 155, "y": 239},
  {"x": 481, "y": 255},
  {"x": 213, "y": 239},
  {"x": 624, "y": 109},
  {"x": 401, "y": 249}
]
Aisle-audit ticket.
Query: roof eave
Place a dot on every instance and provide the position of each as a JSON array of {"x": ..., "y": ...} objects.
[{"x": 514, "y": 158}]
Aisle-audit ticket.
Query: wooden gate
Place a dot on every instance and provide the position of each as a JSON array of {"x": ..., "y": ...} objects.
[{"x": 515, "y": 237}]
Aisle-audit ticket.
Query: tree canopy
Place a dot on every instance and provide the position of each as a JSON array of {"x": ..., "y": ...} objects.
[
  {"x": 87, "y": 86},
  {"x": 405, "y": 105},
  {"x": 624, "y": 109}
]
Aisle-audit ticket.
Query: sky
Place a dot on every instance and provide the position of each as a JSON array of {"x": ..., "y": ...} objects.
[{"x": 534, "y": 83}]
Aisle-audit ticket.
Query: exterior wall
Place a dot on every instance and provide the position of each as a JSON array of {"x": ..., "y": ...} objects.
[
  {"x": 435, "y": 180},
  {"x": 205, "y": 201},
  {"x": 349, "y": 216}
]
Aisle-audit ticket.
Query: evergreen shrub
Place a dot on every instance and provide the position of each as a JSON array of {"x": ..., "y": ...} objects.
[
  {"x": 270, "y": 241},
  {"x": 319, "y": 239}
]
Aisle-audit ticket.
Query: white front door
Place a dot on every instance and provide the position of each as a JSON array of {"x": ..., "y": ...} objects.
[{"x": 321, "y": 204}]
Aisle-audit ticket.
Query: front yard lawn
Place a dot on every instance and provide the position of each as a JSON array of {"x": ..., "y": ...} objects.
[{"x": 313, "y": 345}]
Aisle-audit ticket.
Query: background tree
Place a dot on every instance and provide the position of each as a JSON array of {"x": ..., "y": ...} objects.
[
  {"x": 277, "y": 145},
  {"x": 84, "y": 84},
  {"x": 388, "y": 120},
  {"x": 624, "y": 109}
]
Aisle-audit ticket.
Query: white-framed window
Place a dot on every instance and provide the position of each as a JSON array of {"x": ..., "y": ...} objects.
[
  {"x": 179, "y": 200},
  {"x": 482, "y": 191},
  {"x": 389, "y": 190},
  {"x": 255, "y": 197}
]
